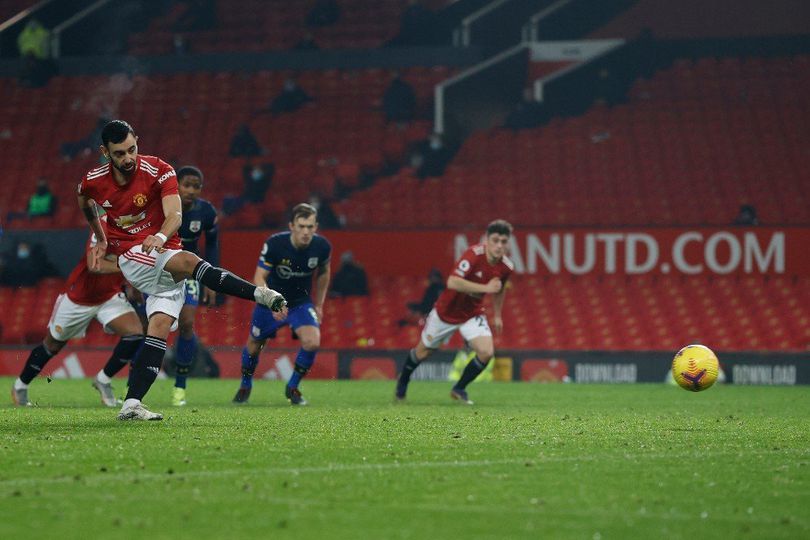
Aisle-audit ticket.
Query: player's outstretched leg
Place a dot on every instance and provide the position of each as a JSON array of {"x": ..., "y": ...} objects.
[
  {"x": 303, "y": 362},
  {"x": 186, "y": 351},
  {"x": 124, "y": 352},
  {"x": 221, "y": 280},
  {"x": 473, "y": 369},
  {"x": 249, "y": 363},
  {"x": 411, "y": 363},
  {"x": 37, "y": 358}
]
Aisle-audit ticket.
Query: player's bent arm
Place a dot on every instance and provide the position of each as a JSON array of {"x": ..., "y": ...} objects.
[
  {"x": 173, "y": 213},
  {"x": 260, "y": 277},
  {"x": 322, "y": 285},
  {"x": 455, "y": 283},
  {"x": 88, "y": 207}
]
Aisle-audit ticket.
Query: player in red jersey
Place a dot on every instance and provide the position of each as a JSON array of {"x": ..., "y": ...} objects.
[
  {"x": 482, "y": 269},
  {"x": 140, "y": 196},
  {"x": 88, "y": 295}
]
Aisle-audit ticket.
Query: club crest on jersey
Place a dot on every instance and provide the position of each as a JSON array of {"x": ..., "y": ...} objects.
[
  {"x": 195, "y": 226},
  {"x": 139, "y": 200},
  {"x": 312, "y": 262}
]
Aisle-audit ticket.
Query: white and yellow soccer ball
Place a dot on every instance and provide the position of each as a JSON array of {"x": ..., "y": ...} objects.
[{"x": 695, "y": 368}]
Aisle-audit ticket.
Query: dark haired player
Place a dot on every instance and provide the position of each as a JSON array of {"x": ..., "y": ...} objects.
[
  {"x": 140, "y": 196},
  {"x": 482, "y": 269},
  {"x": 287, "y": 263},
  {"x": 199, "y": 217}
]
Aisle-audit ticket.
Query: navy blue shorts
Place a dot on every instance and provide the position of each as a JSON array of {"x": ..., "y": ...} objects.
[{"x": 264, "y": 326}]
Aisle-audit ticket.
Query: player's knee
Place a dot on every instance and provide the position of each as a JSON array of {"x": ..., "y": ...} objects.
[
  {"x": 53, "y": 346},
  {"x": 485, "y": 356},
  {"x": 311, "y": 344},
  {"x": 160, "y": 325},
  {"x": 254, "y": 347}
]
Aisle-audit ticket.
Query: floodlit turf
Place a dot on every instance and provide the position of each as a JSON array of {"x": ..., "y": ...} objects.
[{"x": 527, "y": 461}]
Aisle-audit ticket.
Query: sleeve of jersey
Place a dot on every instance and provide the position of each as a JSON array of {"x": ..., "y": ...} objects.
[
  {"x": 264, "y": 256},
  {"x": 464, "y": 264},
  {"x": 167, "y": 180},
  {"x": 82, "y": 188},
  {"x": 327, "y": 253}
]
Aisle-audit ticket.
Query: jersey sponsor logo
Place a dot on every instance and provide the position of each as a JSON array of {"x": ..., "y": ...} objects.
[
  {"x": 125, "y": 222},
  {"x": 166, "y": 176},
  {"x": 195, "y": 226},
  {"x": 106, "y": 204},
  {"x": 139, "y": 228},
  {"x": 285, "y": 272},
  {"x": 312, "y": 262},
  {"x": 140, "y": 200}
]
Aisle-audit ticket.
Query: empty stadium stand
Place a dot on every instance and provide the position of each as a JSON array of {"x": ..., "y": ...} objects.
[
  {"x": 689, "y": 146},
  {"x": 556, "y": 313},
  {"x": 269, "y": 25}
]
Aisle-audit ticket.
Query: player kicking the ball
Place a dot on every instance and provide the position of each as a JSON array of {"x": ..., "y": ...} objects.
[
  {"x": 140, "y": 196},
  {"x": 88, "y": 295},
  {"x": 482, "y": 269}
]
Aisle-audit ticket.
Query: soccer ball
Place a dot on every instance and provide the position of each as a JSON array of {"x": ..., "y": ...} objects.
[{"x": 695, "y": 368}]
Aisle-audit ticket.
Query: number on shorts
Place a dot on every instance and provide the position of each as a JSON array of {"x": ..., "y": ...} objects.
[{"x": 193, "y": 288}]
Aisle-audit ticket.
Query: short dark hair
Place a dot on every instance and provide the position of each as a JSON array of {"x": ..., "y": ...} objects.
[
  {"x": 303, "y": 210},
  {"x": 190, "y": 170},
  {"x": 115, "y": 132},
  {"x": 500, "y": 226}
]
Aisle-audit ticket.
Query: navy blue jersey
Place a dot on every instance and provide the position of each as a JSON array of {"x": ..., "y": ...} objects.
[
  {"x": 201, "y": 218},
  {"x": 291, "y": 269}
]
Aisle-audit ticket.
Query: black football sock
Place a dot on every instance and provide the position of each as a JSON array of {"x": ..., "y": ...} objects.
[
  {"x": 37, "y": 359},
  {"x": 221, "y": 280},
  {"x": 411, "y": 363},
  {"x": 124, "y": 352},
  {"x": 473, "y": 369},
  {"x": 146, "y": 367}
]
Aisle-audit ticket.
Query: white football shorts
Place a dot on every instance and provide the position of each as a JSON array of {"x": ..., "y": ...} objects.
[
  {"x": 437, "y": 332},
  {"x": 146, "y": 273},
  {"x": 70, "y": 320}
]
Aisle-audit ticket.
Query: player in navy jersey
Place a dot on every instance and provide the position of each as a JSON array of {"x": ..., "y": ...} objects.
[
  {"x": 288, "y": 262},
  {"x": 199, "y": 217}
]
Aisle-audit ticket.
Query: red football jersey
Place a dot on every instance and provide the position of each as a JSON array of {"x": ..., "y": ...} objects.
[
  {"x": 88, "y": 289},
  {"x": 135, "y": 210},
  {"x": 456, "y": 307}
]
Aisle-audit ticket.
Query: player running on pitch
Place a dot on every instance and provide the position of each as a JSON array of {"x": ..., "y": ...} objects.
[
  {"x": 140, "y": 196},
  {"x": 88, "y": 295},
  {"x": 287, "y": 262},
  {"x": 482, "y": 269},
  {"x": 199, "y": 218}
]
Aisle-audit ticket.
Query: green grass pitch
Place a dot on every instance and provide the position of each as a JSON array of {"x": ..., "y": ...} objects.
[{"x": 527, "y": 461}]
